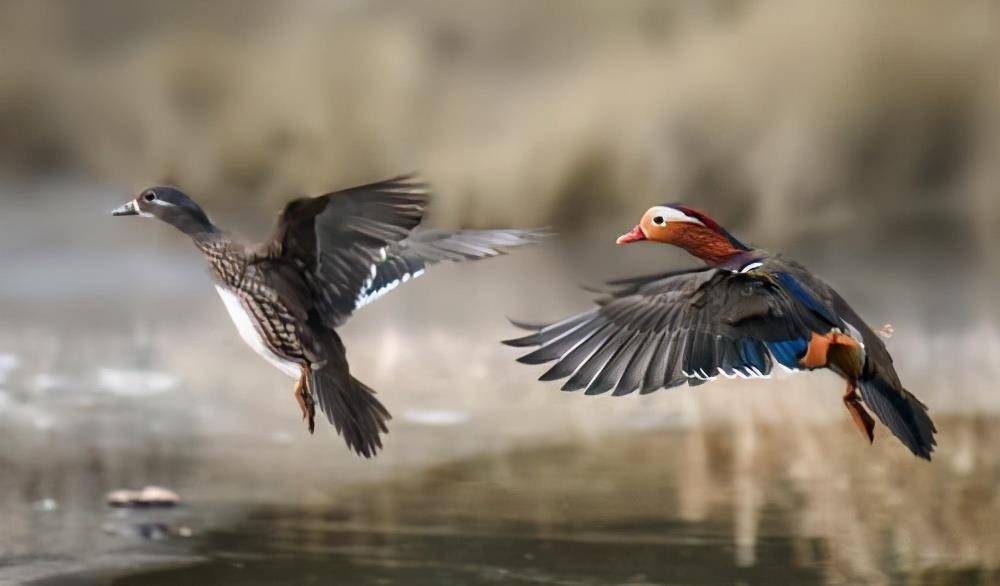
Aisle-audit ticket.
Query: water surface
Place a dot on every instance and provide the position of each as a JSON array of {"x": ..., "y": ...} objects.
[
  {"x": 722, "y": 506},
  {"x": 119, "y": 369}
]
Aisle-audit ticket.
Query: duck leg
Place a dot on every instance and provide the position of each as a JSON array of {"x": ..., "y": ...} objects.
[
  {"x": 305, "y": 400},
  {"x": 858, "y": 413}
]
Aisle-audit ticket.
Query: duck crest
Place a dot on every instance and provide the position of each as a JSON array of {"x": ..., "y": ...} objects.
[{"x": 711, "y": 224}]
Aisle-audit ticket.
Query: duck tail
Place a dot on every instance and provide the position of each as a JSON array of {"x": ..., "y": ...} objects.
[
  {"x": 902, "y": 413},
  {"x": 351, "y": 406}
]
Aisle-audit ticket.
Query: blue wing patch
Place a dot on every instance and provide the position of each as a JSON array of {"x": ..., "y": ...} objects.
[
  {"x": 800, "y": 293},
  {"x": 752, "y": 354},
  {"x": 788, "y": 352}
]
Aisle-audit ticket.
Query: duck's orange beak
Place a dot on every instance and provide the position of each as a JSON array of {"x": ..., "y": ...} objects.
[{"x": 634, "y": 236}]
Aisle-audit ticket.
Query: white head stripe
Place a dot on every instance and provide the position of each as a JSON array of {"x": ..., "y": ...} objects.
[
  {"x": 138, "y": 210},
  {"x": 674, "y": 215}
]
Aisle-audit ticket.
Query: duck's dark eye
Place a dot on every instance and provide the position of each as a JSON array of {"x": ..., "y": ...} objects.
[
  {"x": 149, "y": 196},
  {"x": 658, "y": 220}
]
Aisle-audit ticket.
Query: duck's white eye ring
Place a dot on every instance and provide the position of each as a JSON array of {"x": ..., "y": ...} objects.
[
  {"x": 658, "y": 220},
  {"x": 149, "y": 196}
]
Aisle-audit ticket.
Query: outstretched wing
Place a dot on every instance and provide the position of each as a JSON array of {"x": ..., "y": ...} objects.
[
  {"x": 664, "y": 330},
  {"x": 336, "y": 240},
  {"x": 408, "y": 258}
]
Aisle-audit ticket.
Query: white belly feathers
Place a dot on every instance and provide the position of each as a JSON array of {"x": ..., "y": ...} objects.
[{"x": 248, "y": 331}]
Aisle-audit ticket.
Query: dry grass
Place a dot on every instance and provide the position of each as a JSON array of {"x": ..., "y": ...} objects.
[{"x": 782, "y": 119}]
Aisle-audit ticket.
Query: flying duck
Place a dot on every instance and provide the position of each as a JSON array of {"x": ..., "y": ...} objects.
[
  {"x": 327, "y": 257},
  {"x": 737, "y": 316}
]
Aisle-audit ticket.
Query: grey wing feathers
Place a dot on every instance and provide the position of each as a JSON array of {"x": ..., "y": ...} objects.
[
  {"x": 408, "y": 258},
  {"x": 335, "y": 239},
  {"x": 655, "y": 332},
  {"x": 351, "y": 238},
  {"x": 356, "y": 244},
  {"x": 376, "y": 213}
]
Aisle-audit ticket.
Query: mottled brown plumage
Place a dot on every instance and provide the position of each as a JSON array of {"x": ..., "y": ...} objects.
[{"x": 328, "y": 256}]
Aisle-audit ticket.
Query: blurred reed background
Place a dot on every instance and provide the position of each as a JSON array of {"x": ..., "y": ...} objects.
[
  {"x": 784, "y": 119},
  {"x": 861, "y": 138}
]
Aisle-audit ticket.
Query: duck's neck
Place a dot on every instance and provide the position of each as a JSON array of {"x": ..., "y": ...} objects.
[
  {"x": 708, "y": 245},
  {"x": 209, "y": 238}
]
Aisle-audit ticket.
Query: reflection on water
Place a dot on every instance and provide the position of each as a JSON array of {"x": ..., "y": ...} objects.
[{"x": 727, "y": 505}]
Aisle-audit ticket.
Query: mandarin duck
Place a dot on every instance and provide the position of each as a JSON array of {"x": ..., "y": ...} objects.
[
  {"x": 737, "y": 316},
  {"x": 327, "y": 257}
]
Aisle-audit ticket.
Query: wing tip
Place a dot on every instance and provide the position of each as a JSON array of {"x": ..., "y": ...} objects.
[
  {"x": 533, "y": 359},
  {"x": 571, "y": 386},
  {"x": 412, "y": 186},
  {"x": 539, "y": 234},
  {"x": 413, "y": 182},
  {"x": 527, "y": 326}
]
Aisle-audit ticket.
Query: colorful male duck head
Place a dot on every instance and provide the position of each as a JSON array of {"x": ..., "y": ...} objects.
[{"x": 689, "y": 229}]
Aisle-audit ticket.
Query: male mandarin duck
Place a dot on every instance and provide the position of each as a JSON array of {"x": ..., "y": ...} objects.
[
  {"x": 327, "y": 257},
  {"x": 736, "y": 316}
]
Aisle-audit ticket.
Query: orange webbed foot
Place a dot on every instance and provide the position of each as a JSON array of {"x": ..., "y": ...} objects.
[
  {"x": 862, "y": 419},
  {"x": 306, "y": 403}
]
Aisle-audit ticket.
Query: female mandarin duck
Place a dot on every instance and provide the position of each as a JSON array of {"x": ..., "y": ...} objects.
[
  {"x": 328, "y": 257},
  {"x": 736, "y": 316}
]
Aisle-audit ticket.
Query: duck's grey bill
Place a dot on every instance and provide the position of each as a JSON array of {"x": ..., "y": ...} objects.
[{"x": 128, "y": 209}]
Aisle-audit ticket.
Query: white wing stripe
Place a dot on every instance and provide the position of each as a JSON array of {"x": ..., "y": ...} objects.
[{"x": 365, "y": 297}]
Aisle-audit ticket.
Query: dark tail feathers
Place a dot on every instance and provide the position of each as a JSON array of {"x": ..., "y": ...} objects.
[
  {"x": 352, "y": 409},
  {"x": 902, "y": 413}
]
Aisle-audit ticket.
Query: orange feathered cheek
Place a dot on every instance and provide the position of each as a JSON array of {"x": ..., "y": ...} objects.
[{"x": 662, "y": 233}]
